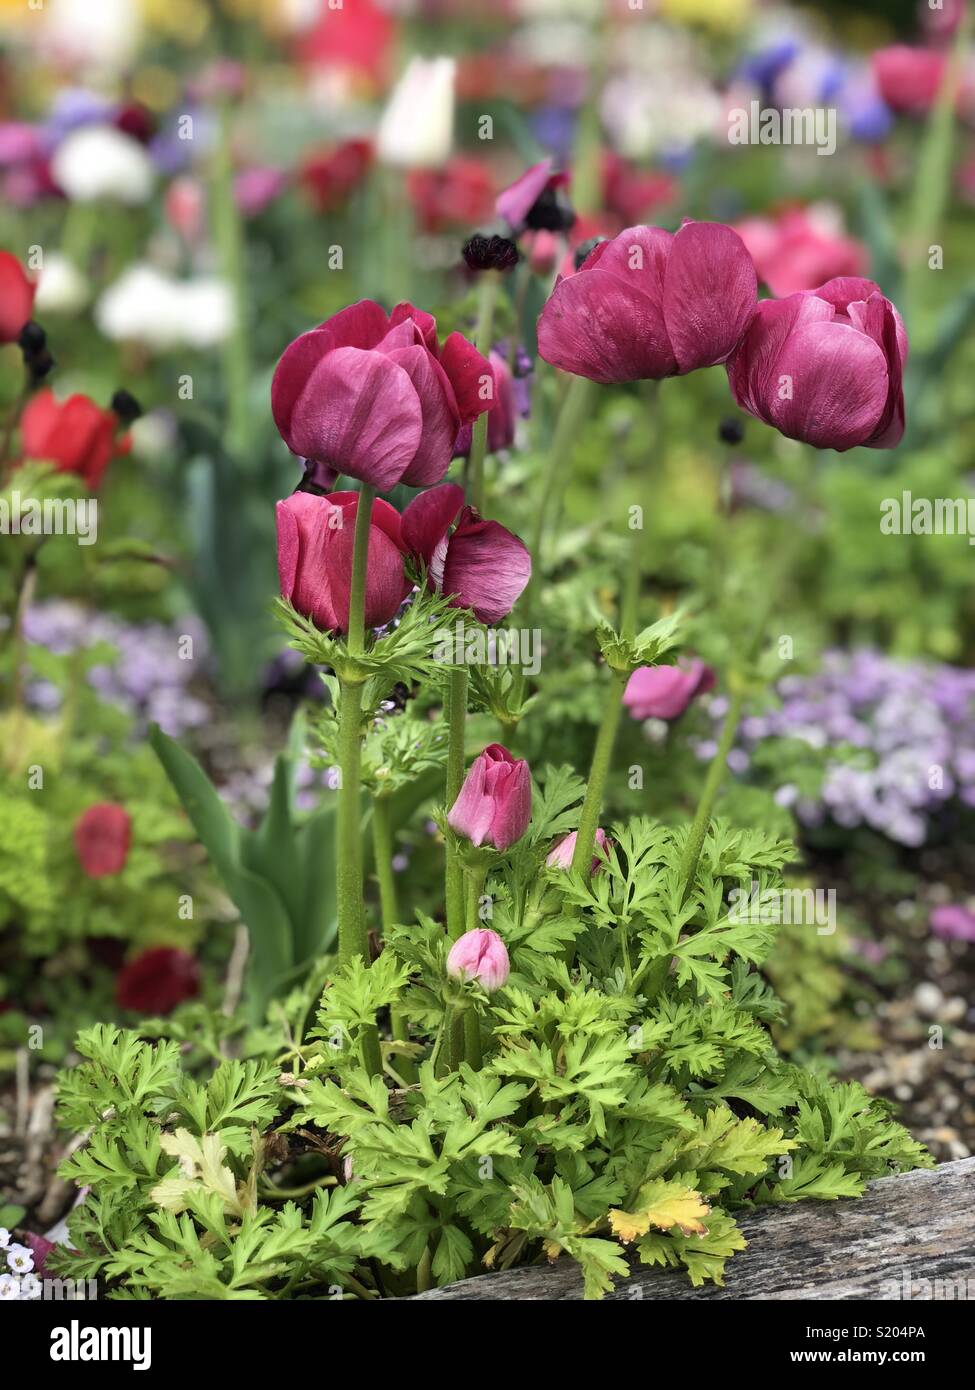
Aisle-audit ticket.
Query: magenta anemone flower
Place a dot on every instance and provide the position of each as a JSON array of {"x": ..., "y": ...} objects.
[
  {"x": 377, "y": 397},
  {"x": 494, "y": 805},
  {"x": 480, "y": 562},
  {"x": 825, "y": 366},
  {"x": 560, "y": 855},
  {"x": 651, "y": 304},
  {"x": 664, "y": 692},
  {"x": 315, "y": 543},
  {"x": 479, "y": 955}
]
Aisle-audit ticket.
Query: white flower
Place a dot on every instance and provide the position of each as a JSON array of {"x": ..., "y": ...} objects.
[
  {"x": 104, "y": 33},
  {"x": 62, "y": 289},
  {"x": 98, "y": 161},
  {"x": 148, "y": 307},
  {"x": 4, "y": 1237},
  {"x": 9, "y": 1287},
  {"x": 416, "y": 129},
  {"x": 30, "y": 1286},
  {"x": 20, "y": 1259}
]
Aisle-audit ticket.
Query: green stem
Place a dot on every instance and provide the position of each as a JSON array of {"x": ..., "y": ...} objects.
[
  {"x": 229, "y": 240},
  {"x": 488, "y": 284},
  {"x": 353, "y": 937},
  {"x": 712, "y": 784},
  {"x": 601, "y": 757},
  {"x": 456, "y": 712},
  {"x": 472, "y": 1026},
  {"x": 360, "y": 558},
  {"x": 646, "y": 481},
  {"x": 382, "y": 839}
]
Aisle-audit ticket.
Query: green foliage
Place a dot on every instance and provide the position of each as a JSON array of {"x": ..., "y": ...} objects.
[{"x": 631, "y": 1101}]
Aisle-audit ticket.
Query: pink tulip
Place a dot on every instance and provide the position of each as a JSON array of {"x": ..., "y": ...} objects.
[
  {"x": 378, "y": 398},
  {"x": 798, "y": 250},
  {"x": 825, "y": 366},
  {"x": 315, "y": 544},
  {"x": 649, "y": 304},
  {"x": 481, "y": 563},
  {"x": 495, "y": 803},
  {"x": 664, "y": 692},
  {"x": 502, "y": 415},
  {"x": 909, "y": 78},
  {"x": 560, "y": 855},
  {"x": 479, "y": 955}
]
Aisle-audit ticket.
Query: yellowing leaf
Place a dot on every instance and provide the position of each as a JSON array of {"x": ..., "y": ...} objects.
[
  {"x": 201, "y": 1164},
  {"x": 664, "y": 1205}
]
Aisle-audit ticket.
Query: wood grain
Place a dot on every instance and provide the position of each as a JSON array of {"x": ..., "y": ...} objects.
[{"x": 908, "y": 1237}]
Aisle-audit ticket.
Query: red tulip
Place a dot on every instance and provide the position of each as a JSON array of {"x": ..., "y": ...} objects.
[
  {"x": 495, "y": 803},
  {"x": 315, "y": 544},
  {"x": 76, "y": 435},
  {"x": 909, "y": 78},
  {"x": 796, "y": 251},
  {"x": 377, "y": 397},
  {"x": 502, "y": 416},
  {"x": 17, "y": 292},
  {"x": 664, "y": 692},
  {"x": 102, "y": 836},
  {"x": 157, "y": 980},
  {"x": 329, "y": 176},
  {"x": 480, "y": 562},
  {"x": 825, "y": 366},
  {"x": 649, "y": 304}
]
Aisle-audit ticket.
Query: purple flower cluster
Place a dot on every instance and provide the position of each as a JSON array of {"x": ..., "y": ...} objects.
[
  {"x": 149, "y": 674},
  {"x": 915, "y": 725}
]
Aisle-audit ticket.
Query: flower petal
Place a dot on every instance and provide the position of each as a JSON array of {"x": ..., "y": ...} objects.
[
  {"x": 597, "y": 325},
  {"x": 486, "y": 567},
  {"x": 358, "y": 412},
  {"x": 710, "y": 293},
  {"x": 386, "y": 582},
  {"x": 839, "y": 386},
  {"x": 427, "y": 518},
  {"x": 468, "y": 373},
  {"x": 441, "y": 418}
]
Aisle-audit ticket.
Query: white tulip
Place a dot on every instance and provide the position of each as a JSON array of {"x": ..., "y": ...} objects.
[
  {"x": 416, "y": 130},
  {"x": 99, "y": 161},
  {"x": 61, "y": 289}
]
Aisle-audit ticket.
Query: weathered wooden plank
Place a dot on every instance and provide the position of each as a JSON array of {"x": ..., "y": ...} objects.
[{"x": 908, "y": 1237}]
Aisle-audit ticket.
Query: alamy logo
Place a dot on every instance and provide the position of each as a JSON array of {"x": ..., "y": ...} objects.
[
  {"x": 794, "y": 125},
  {"x": 785, "y": 907},
  {"x": 476, "y": 646},
  {"x": 50, "y": 516},
  {"x": 908, "y": 515},
  {"x": 77, "y": 1343}
]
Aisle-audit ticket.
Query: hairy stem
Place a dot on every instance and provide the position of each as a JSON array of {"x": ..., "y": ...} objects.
[
  {"x": 712, "y": 785},
  {"x": 602, "y": 755},
  {"x": 488, "y": 283}
]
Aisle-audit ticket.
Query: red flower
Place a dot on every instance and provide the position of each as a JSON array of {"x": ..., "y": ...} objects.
[
  {"x": 315, "y": 544},
  {"x": 481, "y": 563},
  {"x": 376, "y": 397},
  {"x": 17, "y": 292},
  {"x": 76, "y": 435},
  {"x": 649, "y": 304},
  {"x": 909, "y": 78},
  {"x": 633, "y": 193},
  {"x": 460, "y": 194},
  {"x": 798, "y": 250},
  {"x": 157, "y": 980},
  {"x": 102, "y": 836},
  {"x": 329, "y": 176}
]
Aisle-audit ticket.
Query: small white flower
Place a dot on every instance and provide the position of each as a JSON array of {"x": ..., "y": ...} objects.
[
  {"x": 99, "y": 161},
  {"x": 9, "y": 1287},
  {"x": 416, "y": 129},
  {"x": 62, "y": 289},
  {"x": 20, "y": 1259},
  {"x": 146, "y": 306},
  {"x": 4, "y": 1237},
  {"x": 30, "y": 1286}
]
